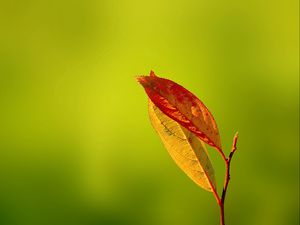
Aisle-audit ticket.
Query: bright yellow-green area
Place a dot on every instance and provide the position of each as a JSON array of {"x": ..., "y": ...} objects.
[{"x": 76, "y": 144}]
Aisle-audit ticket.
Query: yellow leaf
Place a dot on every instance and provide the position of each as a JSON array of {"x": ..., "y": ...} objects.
[{"x": 185, "y": 148}]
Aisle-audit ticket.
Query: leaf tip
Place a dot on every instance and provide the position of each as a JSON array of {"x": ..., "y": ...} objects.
[
  {"x": 140, "y": 79},
  {"x": 152, "y": 74},
  {"x": 143, "y": 80},
  {"x": 236, "y": 135}
]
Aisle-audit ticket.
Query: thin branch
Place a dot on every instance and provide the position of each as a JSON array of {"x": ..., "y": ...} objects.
[
  {"x": 227, "y": 178},
  {"x": 228, "y": 161},
  {"x": 222, "y": 154}
]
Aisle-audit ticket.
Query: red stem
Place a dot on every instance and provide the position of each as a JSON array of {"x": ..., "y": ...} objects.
[{"x": 227, "y": 178}]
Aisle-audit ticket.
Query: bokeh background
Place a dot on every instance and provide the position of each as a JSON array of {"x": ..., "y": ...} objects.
[{"x": 76, "y": 145}]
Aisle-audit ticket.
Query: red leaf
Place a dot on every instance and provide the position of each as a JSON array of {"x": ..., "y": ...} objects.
[{"x": 182, "y": 106}]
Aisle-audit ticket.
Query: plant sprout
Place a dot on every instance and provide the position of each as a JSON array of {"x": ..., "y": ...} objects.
[{"x": 185, "y": 126}]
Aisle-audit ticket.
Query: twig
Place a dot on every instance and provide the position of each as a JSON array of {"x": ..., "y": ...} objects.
[{"x": 227, "y": 178}]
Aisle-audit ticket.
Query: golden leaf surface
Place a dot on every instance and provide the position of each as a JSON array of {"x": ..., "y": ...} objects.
[{"x": 185, "y": 148}]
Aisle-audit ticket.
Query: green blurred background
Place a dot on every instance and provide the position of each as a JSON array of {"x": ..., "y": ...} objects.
[{"x": 76, "y": 145}]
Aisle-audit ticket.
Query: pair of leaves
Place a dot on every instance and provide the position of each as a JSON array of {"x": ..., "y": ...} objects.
[{"x": 184, "y": 125}]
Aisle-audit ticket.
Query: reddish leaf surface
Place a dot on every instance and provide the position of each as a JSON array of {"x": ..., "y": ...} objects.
[{"x": 182, "y": 106}]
